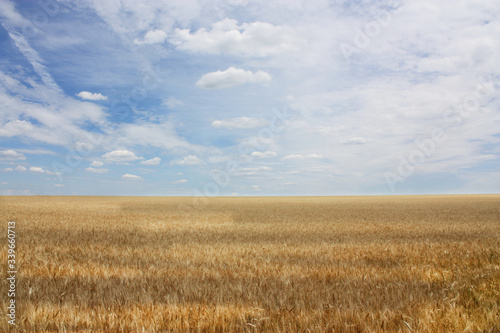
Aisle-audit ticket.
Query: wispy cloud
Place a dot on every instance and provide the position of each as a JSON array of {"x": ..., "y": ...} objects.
[
  {"x": 354, "y": 140},
  {"x": 33, "y": 57},
  {"x": 11, "y": 155},
  {"x": 241, "y": 122},
  {"x": 97, "y": 170},
  {"x": 188, "y": 160},
  {"x": 302, "y": 157}
]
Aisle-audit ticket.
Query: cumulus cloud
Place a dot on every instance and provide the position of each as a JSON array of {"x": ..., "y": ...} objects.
[
  {"x": 188, "y": 160},
  {"x": 20, "y": 168},
  {"x": 92, "y": 96},
  {"x": 96, "y": 170},
  {"x": 265, "y": 154},
  {"x": 120, "y": 157},
  {"x": 231, "y": 77},
  {"x": 153, "y": 161},
  {"x": 128, "y": 176},
  {"x": 248, "y": 39},
  {"x": 42, "y": 170},
  {"x": 97, "y": 164},
  {"x": 11, "y": 155},
  {"x": 241, "y": 122},
  {"x": 58, "y": 185},
  {"x": 7, "y": 169},
  {"x": 302, "y": 157},
  {"x": 152, "y": 37},
  {"x": 180, "y": 181}
]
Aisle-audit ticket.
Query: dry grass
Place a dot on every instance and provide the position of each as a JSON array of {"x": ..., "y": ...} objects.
[{"x": 304, "y": 264}]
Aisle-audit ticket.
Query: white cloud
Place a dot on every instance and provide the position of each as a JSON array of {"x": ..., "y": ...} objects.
[
  {"x": 7, "y": 169},
  {"x": 162, "y": 135},
  {"x": 37, "y": 151},
  {"x": 8, "y": 11},
  {"x": 42, "y": 170},
  {"x": 92, "y": 96},
  {"x": 249, "y": 39},
  {"x": 354, "y": 140},
  {"x": 128, "y": 176},
  {"x": 58, "y": 185},
  {"x": 302, "y": 157},
  {"x": 96, "y": 170},
  {"x": 173, "y": 103},
  {"x": 120, "y": 157},
  {"x": 153, "y": 161},
  {"x": 20, "y": 168},
  {"x": 97, "y": 163},
  {"x": 241, "y": 122},
  {"x": 37, "y": 112},
  {"x": 152, "y": 37},
  {"x": 265, "y": 154},
  {"x": 180, "y": 181},
  {"x": 33, "y": 57},
  {"x": 393, "y": 93},
  {"x": 188, "y": 160},
  {"x": 231, "y": 77},
  {"x": 258, "y": 168},
  {"x": 250, "y": 171},
  {"x": 11, "y": 155}
]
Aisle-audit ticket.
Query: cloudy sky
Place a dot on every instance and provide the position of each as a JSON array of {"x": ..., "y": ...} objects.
[{"x": 237, "y": 97}]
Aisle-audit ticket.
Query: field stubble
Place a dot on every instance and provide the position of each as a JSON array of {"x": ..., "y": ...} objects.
[{"x": 275, "y": 264}]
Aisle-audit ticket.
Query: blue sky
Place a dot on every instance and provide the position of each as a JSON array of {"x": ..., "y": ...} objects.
[{"x": 237, "y": 97}]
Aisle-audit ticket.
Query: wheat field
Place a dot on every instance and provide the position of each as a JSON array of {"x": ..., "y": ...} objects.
[{"x": 255, "y": 264}]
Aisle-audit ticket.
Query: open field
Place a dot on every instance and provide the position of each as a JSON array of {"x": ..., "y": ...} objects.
[{"x": 301, "y": 264}]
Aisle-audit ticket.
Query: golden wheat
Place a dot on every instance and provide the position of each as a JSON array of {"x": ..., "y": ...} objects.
[{"x": 302, "y": 264}]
